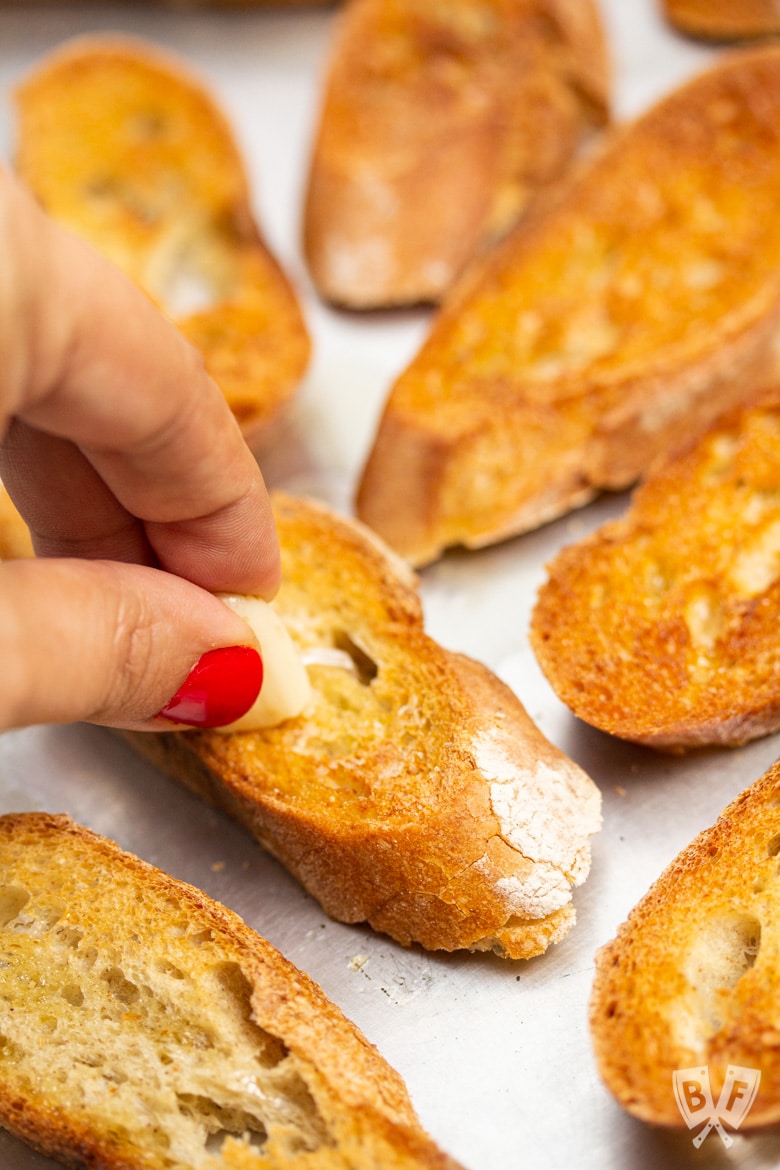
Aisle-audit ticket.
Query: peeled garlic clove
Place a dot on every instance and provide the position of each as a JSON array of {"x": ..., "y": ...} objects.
[{"x": 286, "y": 687}]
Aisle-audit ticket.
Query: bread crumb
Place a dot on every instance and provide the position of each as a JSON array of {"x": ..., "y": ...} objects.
[
  {"x": 358, "y": 962},
  {"x": 217, "y": 866}
]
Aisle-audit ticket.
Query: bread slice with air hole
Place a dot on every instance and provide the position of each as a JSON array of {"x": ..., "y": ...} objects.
[
  {"x": 690, "y": 981},
  {"x": 413, "y": 792},
  {"x": 146, "y": 1026},
  {"x": 124, "y": 145},
  {"x": 661, "y": 627},
  {"x": 723, "y": 20},
  {"x": 620, "y": 318},
  {"x": 439, "y": 123}
]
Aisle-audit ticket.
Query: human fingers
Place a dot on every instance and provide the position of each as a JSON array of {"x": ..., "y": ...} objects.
[
  {"x": 94, "y": 362},
  {"x": 111, "y": 643},
  {"x": 66, "y": 505}
]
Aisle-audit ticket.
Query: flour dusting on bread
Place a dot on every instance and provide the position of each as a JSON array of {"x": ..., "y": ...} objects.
[{"x": 546, "y": 814}]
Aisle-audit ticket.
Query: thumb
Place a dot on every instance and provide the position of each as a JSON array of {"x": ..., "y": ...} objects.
[{"x": 112, "y": 643}]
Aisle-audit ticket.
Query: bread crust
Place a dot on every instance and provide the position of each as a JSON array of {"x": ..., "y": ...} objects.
[
  {"x": 612, "y": 323},
  {"x": 119, "y": 141},
  {"x": 723, "y": 20},
  {"x": 691, "y": 978},
  {"x": 660, "y": 627},
  {"x": 360, "y": 1104},
  {"x": 423, "y": 801},
  {"x": 438, "y": 125}
]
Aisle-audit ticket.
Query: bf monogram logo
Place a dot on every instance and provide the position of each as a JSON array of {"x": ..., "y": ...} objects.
[{"x": 694, "y": 1099}]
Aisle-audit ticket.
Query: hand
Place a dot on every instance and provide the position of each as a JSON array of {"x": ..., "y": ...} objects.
[{"x": 131, "y": 472}]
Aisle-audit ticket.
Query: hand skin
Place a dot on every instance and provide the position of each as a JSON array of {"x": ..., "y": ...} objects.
[{"x": 139, "y": 490}]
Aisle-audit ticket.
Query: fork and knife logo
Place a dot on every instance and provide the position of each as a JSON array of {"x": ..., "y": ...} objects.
[{"x": 693, "y": 1094}]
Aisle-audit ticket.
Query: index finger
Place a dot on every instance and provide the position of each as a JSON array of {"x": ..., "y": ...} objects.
[{"x": 97, "y": 364}]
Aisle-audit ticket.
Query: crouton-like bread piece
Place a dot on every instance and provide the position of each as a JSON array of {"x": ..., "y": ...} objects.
[
  {"x": 661, "y": 627},
  {"x": 146, "y": 1027},
  {"x": 690, "y": 981},
  {"x": 620, "y": 319},
  {"x": 439, "y": 123},
  {"x": 124, "y": 146}
]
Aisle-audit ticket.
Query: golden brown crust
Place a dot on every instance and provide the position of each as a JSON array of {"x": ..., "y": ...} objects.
[
  {"x": 439, "y": 123},
  {"x": 622, "y": 318},
  {"x": 121, "y": 143},
  {"x": 142, "y": 924},
  {"x": 419, "y": 798},
  {"x": 691, "y": 978},
  {"x": 723, "y": 20},
  {"x": 661, "y": 626}
]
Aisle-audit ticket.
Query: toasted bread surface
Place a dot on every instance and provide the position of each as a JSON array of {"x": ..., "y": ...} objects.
[
  {"x": 661, "y": 627},
  {"x": 123, "y": 145},
  {"x": 691, "y": 978},
  {"x": 439, "y": 122},
  {"x": 723, "y": 20},
  {"x": 145, "y": 1026},
  {"x": 621, "y": 318},
  {"x": 413, "y": 792}
]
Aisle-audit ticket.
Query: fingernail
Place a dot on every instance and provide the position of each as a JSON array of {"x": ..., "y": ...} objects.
[{"x": 220, "y": 688}]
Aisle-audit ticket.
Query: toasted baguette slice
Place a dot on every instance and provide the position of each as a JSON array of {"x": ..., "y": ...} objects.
[
  {"x": 124, "y": 146},
  {"x": 622, "y": 318},
  {"x": 144, "y": 1023},
  {"x": 691, "y": 979},
  {"x": 413, "y": 792},
  {"x": 439, "y": 121},
  {"x": 662, "y": 626},
  {"x": 723, "y": 20}
]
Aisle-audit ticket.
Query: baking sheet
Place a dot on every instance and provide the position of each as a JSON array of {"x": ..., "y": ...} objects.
[{"x": 496, "y": 1055}]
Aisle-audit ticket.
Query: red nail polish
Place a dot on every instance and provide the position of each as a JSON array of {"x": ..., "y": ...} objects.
[{"x": 222, "y": 686}]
